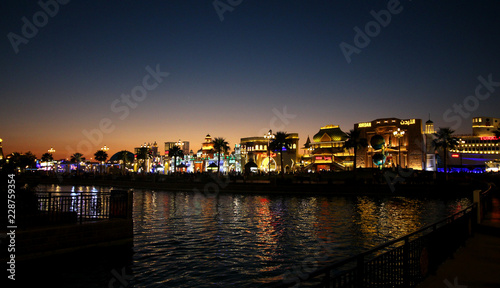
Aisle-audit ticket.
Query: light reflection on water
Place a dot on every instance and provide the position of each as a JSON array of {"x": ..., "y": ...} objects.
[
  {"x": 181, "y": 240},
  {"x": 246, "y": 240}
]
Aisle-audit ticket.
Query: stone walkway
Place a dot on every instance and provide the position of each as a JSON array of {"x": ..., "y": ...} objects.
[{"x": 478, "y": 263}]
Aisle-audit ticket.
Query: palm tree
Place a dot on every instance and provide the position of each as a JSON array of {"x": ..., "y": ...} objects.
[
  {"x": 47, "y": 157},
  {"x": 101, "y": 156},
  {"x": 354, "y": 141},
  {"x": 175, "y": 151},
  {"x": 124, "y": 157},
  {"x": 281, "y": 142},
  {"x": 77, "y": 158},
  {"x": 142, "y": 154},
  {"x": 445, "y": 141},
  {"x": 220, "y": 145}
]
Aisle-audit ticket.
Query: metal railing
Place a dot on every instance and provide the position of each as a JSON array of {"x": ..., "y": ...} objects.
[
  {"x": 70, "y": 207},
  {"x": 403, "y": 262}
]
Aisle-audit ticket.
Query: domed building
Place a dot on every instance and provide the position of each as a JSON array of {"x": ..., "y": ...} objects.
[{"x": 327, "y": 151}]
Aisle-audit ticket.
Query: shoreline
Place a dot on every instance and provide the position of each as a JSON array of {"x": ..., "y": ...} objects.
[{"x": 217, "y": 185}]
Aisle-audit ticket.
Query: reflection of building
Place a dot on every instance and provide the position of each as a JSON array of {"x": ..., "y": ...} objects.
[
  {"x": 256, "y": 149},
  {"x": 327, "y": 152},
  {"x": 480, "y": 147},
  {"x": 410, "y": 146}
]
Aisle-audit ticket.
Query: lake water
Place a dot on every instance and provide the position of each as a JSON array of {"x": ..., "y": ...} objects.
[{"x": 187, "y": 240}]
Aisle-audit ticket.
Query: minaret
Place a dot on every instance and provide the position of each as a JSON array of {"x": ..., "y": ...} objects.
[
  {"x": 430, "y": 157},
  {"x": 429, "y": 126}
]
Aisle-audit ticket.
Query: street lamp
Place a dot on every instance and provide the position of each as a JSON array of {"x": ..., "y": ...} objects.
[
  {"x": 269, "y": 136},
  {"x": 399, "y": 134}
]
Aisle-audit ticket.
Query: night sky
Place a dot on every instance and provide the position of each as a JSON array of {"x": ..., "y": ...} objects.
[{"x": 237, "y": 72}]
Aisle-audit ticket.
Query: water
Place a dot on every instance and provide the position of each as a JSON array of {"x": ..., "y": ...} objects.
[{"x": 181, "y": 240}]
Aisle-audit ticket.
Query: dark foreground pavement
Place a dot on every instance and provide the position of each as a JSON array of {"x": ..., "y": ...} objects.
[{"x": 478, "y": 263}]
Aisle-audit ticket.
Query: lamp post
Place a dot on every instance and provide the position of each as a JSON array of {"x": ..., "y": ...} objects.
[
  {"x": 399, "y": 134},
  {"x": 269, "y": 136}
]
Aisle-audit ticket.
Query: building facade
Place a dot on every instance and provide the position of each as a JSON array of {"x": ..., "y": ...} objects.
[
  {"x": 256, "y": 150},
  {"x": 408, "y": 151},
  {"x": 326, "y": 151},
  {"x": 482, "y": 147}
]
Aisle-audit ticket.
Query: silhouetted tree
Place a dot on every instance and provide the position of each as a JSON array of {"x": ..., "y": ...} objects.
[
  {"x": 101, "y": 156},
  {"x": 220, "y": 145},
  {"x": 445, "y": 141},
  {"x": 77, "y": 158},
  {"x": 174, "y": 152},
  {"x": 47, "y": 157},
  {"x": 21, "y": 161},
  {"x": 143, "y": 154},
  {"x": 281, "y": 142},
  {"x": 355, "y": 141},
  {"x": 124, "y": 157}
]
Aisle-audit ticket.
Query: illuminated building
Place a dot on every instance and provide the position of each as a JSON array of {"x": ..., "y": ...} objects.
[
  {"x": 184, "y": 145},
  {"x": 153, "y": 161},
  {"x": 430, "y": 155},
  {"x": 407, "y": 150},
  {"x": 485, "y": 126},
  {"x": 480, "y": 147},
  {"x": 327, "y": 152},
  {"x": 1, "y": 150},
  {"x": 256, "y": 149},
  {"x": 206, "y": 159}
]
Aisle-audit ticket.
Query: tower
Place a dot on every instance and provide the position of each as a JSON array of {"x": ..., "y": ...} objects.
[{"x": 430, "y": 157}]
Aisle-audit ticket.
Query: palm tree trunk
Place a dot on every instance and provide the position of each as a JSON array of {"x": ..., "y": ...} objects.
[
  {"x": 282, "y": 168},
  {"x": 445, "y": 159},
  {"x": 354, "y": 162},
  {"x": 175, "y": 164},
  {"x": 218, "y": 163}
]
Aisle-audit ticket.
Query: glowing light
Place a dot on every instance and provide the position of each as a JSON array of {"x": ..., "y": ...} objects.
[
  {"x": 365, "y": 124},
  {"x": 488, "y": 138},
  {"x": 455, "y": 155},
  {"x": 407, "y": 122}
]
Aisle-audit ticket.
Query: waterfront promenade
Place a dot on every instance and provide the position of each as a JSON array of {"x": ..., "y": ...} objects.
[{"x": 477, "y": 264}]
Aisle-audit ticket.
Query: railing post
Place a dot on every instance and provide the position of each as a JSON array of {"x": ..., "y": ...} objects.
[
  {"x": 360, "y": 269},
  {"x": 49, "y": 208},
  {"x": 477, "y": 199},
  {"x": 406, "y": 264}
]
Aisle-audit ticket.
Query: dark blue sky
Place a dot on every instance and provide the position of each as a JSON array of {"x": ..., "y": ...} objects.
[{"x": 227, "y": 77}]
